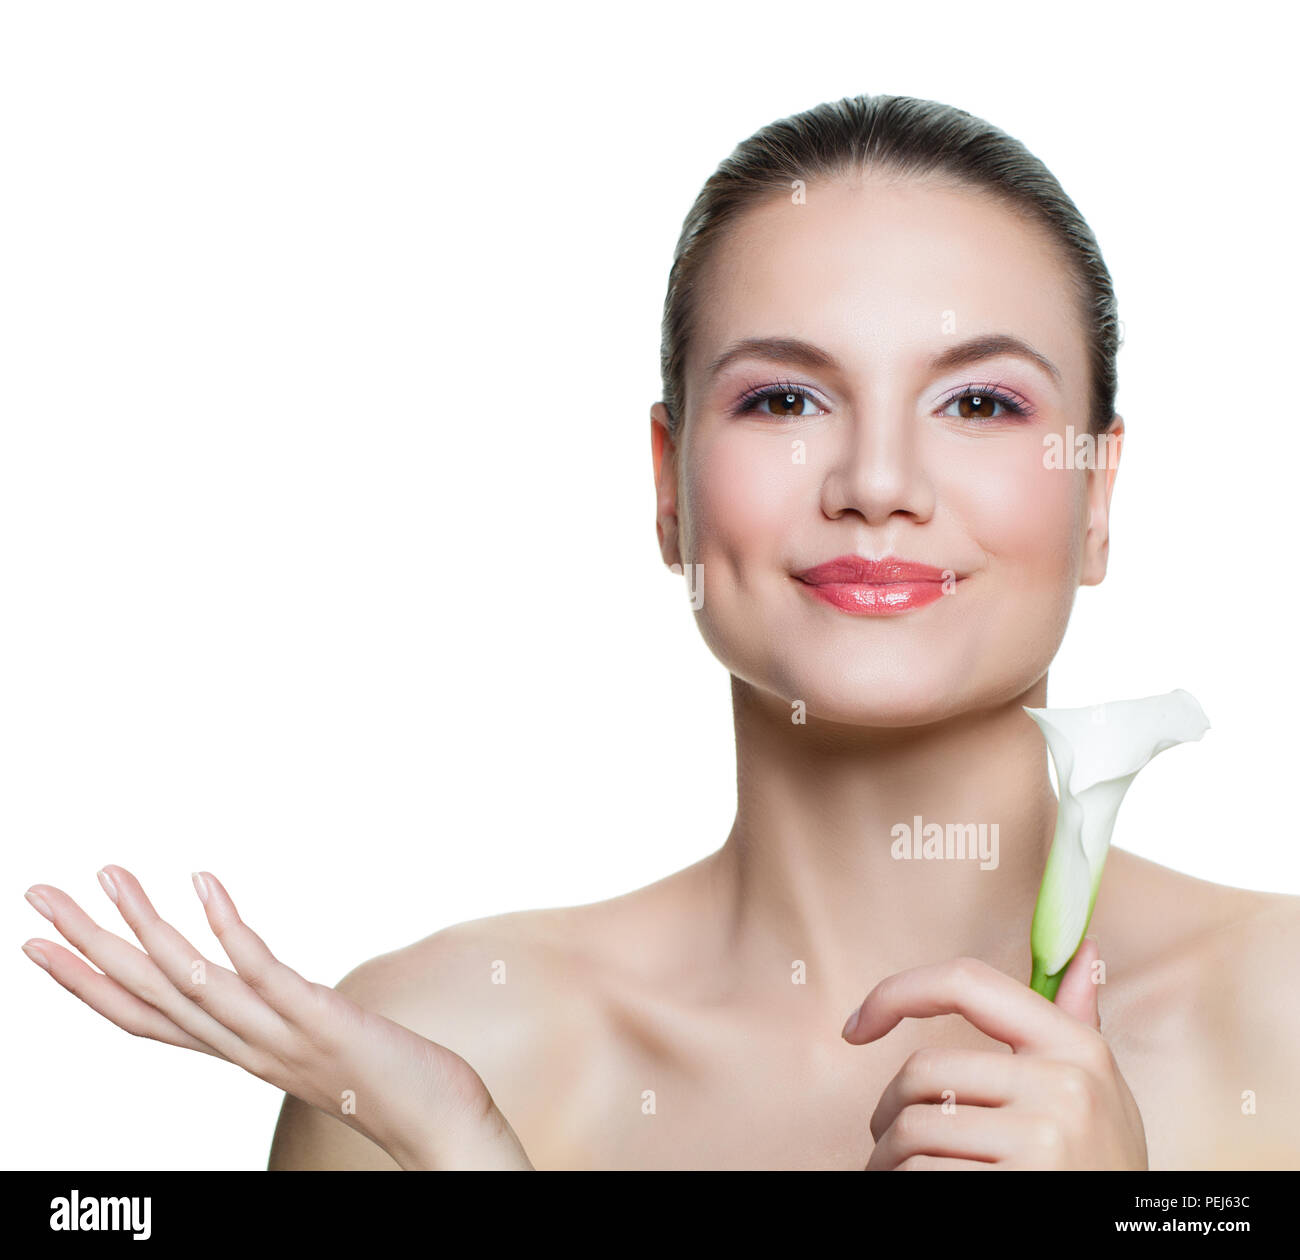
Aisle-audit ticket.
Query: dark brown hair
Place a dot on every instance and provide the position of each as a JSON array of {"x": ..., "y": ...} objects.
[{"x": 900, "y": 136}]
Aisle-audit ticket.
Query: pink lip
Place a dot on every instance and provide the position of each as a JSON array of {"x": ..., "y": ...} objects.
[{"x": 875, "y": 588}]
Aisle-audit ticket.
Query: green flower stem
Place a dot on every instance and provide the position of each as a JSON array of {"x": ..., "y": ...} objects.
[{"x": 1042, "y": 983}]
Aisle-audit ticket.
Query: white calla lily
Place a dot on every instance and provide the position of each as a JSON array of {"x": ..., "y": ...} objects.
[{"x": 1097, "y": 752}]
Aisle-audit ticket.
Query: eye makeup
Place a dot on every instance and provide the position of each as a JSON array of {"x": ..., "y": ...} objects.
[{"x": 977, "y": 402}]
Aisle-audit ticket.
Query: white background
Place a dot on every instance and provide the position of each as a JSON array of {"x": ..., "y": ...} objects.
[{"x": 327, "y": 552}]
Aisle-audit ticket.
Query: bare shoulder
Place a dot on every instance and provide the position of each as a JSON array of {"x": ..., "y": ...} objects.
[
  {"x": 1153, "y": 916},
  {"x": 520, "y": 966},
  {"x": 487, "y": 986},
  {"x": 497, "y": 991},
  {"x": 523, "y": 997},
  {"x": 1206, "y": 992}
]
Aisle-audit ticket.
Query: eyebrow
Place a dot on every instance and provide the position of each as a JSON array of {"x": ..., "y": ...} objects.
[{"x": 807, "y": 355}]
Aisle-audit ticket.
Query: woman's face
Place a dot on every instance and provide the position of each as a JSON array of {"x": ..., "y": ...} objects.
[{"x": 865, "y": 446}]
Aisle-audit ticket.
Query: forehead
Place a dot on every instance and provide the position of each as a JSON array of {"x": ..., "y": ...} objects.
[{"x": 882, "y": 272}]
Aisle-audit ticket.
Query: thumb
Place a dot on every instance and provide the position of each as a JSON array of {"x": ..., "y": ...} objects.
[{"x": 1077, "y": 993}]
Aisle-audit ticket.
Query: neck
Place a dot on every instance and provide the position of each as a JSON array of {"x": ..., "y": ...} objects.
[{"x": 810, "y": 866}]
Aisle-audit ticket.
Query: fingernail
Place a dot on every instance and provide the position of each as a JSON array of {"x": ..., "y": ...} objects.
[
  {"x": 109, "y": 887},
  {"x": 851, "y": 1023},
  {"x": 39, "y": 903},
  {"x": 200, "y": 886},
  {"x": 36, "y": 956}
]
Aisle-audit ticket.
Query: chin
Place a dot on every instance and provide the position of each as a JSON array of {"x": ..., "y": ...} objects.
[
  {"x": 889, "y": 697},
  {"x": 893, "y": 705},
  {"x": 891, "y": 690},
  {"x": 888, "y": 672}
]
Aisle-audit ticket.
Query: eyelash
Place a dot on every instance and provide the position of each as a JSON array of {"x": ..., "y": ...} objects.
[{"x": 1017, "y": 405}]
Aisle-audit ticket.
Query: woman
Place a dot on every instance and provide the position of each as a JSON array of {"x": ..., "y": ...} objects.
[{"x": 881, "y": 314}]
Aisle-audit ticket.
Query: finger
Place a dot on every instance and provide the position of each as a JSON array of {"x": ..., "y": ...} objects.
[
  {"x": 295, "y": 998},
  {"x": 103, "y": 994},
  {"x": 1078, "y": 992},
  {"x": 953, "y": 1078},
  {"x": 942, "y": 1163},
  {"x": 207, "y": 984},
  {"x": 992, "y": 1001},
  {"x": 984, "y": 1133},
  {"x": 134, "y": 970}
]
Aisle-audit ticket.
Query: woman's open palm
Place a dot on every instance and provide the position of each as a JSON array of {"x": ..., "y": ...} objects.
[{"x": 424, "y": 1104}]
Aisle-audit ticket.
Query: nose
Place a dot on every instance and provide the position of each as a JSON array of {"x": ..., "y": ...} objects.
[{"x": 878, "y": 471}]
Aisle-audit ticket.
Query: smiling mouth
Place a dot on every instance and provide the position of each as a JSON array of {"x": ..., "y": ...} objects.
[{"x": 877, "y": 588}]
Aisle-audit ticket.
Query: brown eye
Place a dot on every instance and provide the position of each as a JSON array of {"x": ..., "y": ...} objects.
[
  {"x": 781, "y": 402},
  {"x": 977, "y": 405},
  {"x": 788, "y": 404},
  {"x": 982, "y": 404}
]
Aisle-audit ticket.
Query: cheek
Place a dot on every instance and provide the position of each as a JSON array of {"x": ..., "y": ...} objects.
[
  {"x": 743, "y": 502},
  {"x": 1025, "y": 516},
  {"x": 744, "y": 498},
  {"x": 1028, "y": 521}
]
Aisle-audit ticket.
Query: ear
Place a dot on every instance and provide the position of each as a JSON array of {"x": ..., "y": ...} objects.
[
  {"x": 664, "y": 451},
  {"x": 1101, "y": 481}
]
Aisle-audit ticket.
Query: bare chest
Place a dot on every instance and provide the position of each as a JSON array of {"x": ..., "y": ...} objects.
[{"x": 788, "y": 1103}]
